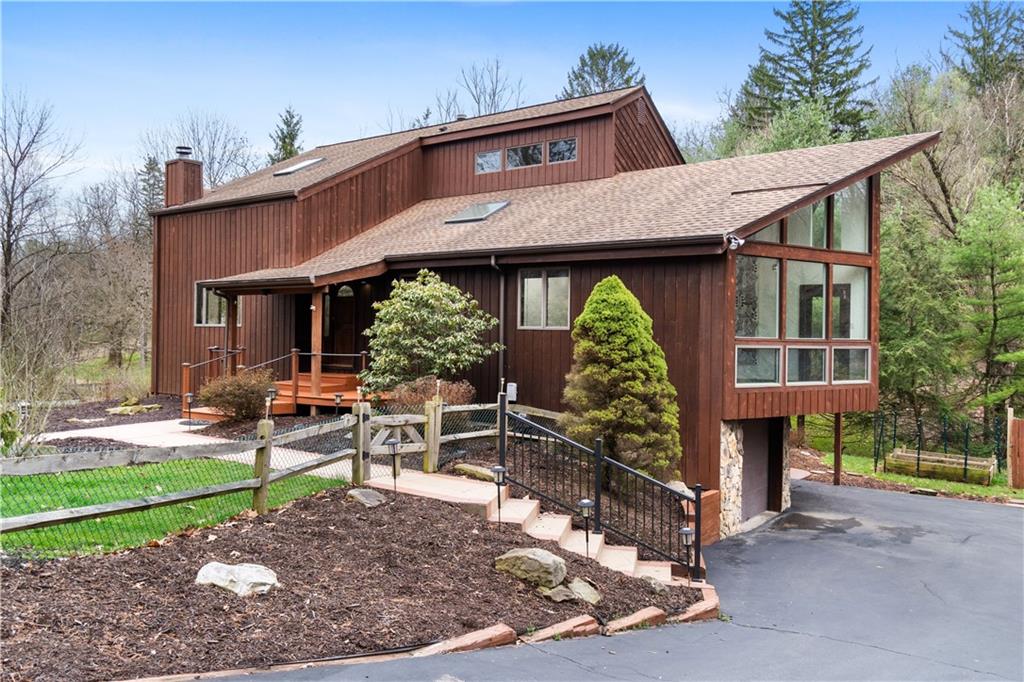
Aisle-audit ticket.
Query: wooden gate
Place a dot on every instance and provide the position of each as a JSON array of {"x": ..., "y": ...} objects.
[{"x": 1014, "y": 449}]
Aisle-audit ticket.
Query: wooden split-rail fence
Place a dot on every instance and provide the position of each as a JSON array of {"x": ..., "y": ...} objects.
[{"x": 369, "y": 436}]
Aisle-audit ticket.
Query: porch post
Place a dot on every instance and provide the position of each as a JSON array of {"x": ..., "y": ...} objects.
[
  {"x": 837, "y": 445},
  {"x": 231, "y": 335},
  {"x": 317, "y": 341}
]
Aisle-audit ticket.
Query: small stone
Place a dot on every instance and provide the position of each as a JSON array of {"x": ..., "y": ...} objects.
[
  {"x": 367, "y": 497},
  {"x": 129, "y": 410},
  {"x": 93, "y": 420},
  {"x": 558, "y": 594},
  {"x": 474, "y": 471},
  {"x": 585, "y": 591},
  {"x": 656, "y": 585},
  {"x": 534, "y": 565},
  {"x": 242, "y": 579},
  {"x": 924, "y": 491},
  {"x": 130, "y": 402}
]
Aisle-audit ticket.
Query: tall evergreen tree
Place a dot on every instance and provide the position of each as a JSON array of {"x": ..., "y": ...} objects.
[
  {"x": 618, "y": 388},
  {"x": 817, "y": 55},
  {"x": 602, "y": 68},
  {"x": 991, "y": 47},
  {"x": 286, "y": 137}
]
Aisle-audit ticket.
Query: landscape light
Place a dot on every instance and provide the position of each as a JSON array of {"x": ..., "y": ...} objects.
[
  {"x": 337, "y": 403},
  {"x": 499, "y": 480},
  {"x": 586, "y": 507},
  {"x": 686, "y": 533},
  {"x": 392, "y": 444}
]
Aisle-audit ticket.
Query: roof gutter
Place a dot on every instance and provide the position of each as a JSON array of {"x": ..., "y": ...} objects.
[{"x": 237, "y": 201}]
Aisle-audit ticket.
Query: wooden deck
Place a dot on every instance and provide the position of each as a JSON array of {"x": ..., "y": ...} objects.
[{"x": 331, "y": 383}]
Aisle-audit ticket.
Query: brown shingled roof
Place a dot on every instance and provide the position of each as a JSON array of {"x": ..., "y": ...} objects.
[
  {"x": 343, "y": 156},
  {"x": 701, "y": 202}
]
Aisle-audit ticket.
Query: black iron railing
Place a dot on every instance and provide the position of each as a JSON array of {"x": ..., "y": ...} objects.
[{"x": 627, "y": 503}]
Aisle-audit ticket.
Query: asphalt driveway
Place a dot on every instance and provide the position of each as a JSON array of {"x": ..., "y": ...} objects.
[{"x": 850, "y": 584}]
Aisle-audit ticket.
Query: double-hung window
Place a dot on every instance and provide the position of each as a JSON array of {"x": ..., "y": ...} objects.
[
  {"x": 544, "y": 299},
  {"x": 211, "y": 310}
]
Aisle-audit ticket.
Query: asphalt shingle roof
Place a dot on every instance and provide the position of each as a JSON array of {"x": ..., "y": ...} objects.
[{"x": 677, "y": 204}]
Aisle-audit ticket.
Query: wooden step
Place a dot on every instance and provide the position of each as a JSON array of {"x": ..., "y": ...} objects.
[
  {"x": 576, "y": 541},
  {"x": 549, "y": 526},
  {"x": 619, "y": 558}
]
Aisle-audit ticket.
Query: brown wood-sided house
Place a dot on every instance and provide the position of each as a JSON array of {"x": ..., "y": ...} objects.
[{"x": 760, "y": 272}]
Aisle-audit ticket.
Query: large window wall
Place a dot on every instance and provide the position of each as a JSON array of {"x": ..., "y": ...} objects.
[{"x": 803, "y": 296}]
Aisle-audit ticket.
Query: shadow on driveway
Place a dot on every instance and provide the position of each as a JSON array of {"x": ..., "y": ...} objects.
[{"x": 852, "y": 583}]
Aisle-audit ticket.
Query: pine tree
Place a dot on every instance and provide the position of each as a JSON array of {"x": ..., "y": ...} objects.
[
  {"x": 618, "y": 388},
  {"x": 817, "y": 56},
  {"x": 992, "y": 46},
  {"x": 602, "y": 68},
  {"x": 286, "y": 137}
]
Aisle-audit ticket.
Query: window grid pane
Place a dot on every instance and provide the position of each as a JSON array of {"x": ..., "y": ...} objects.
[
  {"x": 850, "y": 220},
  {"x": 531, "y": 299},
  {"x": 757, "y": 297},
  {"x": 808, "y": 226},
  {"x": 488, "y": 162},
  {"x": 805, "y": 300},
  {"x": 805, "y": 365},
  {"x": 850, "y": 364},
  {"x": 850, "y": 302},
  {"x": 757, "y": 365},
  {"x": 557, "y": 304},
  {"x": 527, "y": 155},
  {"x": 560, "y": 151}
]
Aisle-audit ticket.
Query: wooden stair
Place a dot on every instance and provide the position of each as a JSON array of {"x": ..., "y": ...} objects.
[{"x": 526, "y": 514}]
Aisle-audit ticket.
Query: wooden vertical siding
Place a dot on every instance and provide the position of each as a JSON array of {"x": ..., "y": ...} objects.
[
  {"x": 336, "y": 212},
  {"x": 639, "y": 141},
  {"x": 450, "y": 168},
  {"x": 208, "y": 244}
]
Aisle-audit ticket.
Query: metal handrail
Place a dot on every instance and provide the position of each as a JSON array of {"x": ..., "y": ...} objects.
[
  {"x": 551, "y": 434},
  {"x": 268, "y": 362},
  {"x": 647, "y": 479},
  {"x": 221, "y": 358}
]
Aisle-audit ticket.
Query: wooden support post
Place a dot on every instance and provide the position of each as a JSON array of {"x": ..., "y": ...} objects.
[
  {"x": 317, "y": 342},
  {"x": 361, "y": 443},
  {"x": 837, "y": 444},
  {"x": 261, "y": 467},
  {"x": 434, "y": 410},
  {"x": 186, "y": 385},
  {"x": 230, "y": 335},
  {"x": 295, "y": 380}
]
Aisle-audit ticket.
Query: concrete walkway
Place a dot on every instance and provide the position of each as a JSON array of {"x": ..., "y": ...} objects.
[{"x": 851, "y": 584}]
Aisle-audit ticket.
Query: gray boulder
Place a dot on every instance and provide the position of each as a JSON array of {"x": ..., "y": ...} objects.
[
  {"x": 534, "y": 565},
  {"x": 656, "y": 585},
  {"x": 558, "y": 594},
  {"x": 473, "y": 471},
  {"x": 584, "y": 591},
  {"x": 242, "y": 579},
  {"x": 681, "y": 487},
  {"x": 367, "y": 497}
]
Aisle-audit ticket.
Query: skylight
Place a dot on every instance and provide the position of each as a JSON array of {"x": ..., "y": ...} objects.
[
  {"x": 477, "y": 212},
  {"x": 288, "y": 170}
]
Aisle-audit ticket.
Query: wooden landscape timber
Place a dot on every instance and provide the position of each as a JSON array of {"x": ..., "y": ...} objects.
[{"x": 937, "y": 465}]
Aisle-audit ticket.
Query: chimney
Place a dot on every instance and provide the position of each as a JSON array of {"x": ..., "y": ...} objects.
[
  {"x": 460, "y": 117},
  {"x": 183, "y": 178}
]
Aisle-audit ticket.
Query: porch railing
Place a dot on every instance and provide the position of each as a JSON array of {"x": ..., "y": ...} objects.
[
  {"x": 627, "y": 502},
  {"x": 196, "y": 375}
]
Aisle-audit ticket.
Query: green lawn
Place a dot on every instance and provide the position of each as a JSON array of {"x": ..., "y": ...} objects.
[
  {"x": 29, "y": 494},
  {"x": 858, "y": 458}
]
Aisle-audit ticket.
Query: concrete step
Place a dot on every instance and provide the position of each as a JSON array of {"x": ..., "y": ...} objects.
[
  {"x": 550, "y": 527},
  {"x": 619, "y": 558},
  {"x": 453, "y": 489},
  {"x": 659, "y": 570},
  {"x": 576, "y": 541},
  {"x": 516, "y": 510}
]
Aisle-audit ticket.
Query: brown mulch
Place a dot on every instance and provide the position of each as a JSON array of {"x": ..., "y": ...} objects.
[
  {"x": 57, "y": 420},
  {"x": 354, "y": 580},
  {"x": 87, "y": 443},
  {"x": 237, "y": 428},
  {"x": 810, "y": 460}
]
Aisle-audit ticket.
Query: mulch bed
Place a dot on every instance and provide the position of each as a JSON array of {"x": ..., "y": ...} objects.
[
  {"x": 57, "y": 420},
  {"x": 87, "y": 443},
  {"x": 239, "y": 428},
  {"x": 354, "y": 580},
  {"x": 810, "y": 460}
]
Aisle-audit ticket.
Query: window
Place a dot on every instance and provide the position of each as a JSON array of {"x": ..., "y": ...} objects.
[
  {"x": 808, "y": 226},
  {"x": 295, "y": 167},
  {"x": 772, "y": 233},
  {"x": 560, "y": 151},
  {"x": 850, "y": 220},
  {"x": 757, "y": 365},
  {"x": 851, "y": 365},
  {"x": 477, "y": 212},
  {"x": 521, "y": 157},
  {"x": 544, "y": 299},
  {"x": 757, "y": 297},
  {"x": 488, "y": 162},
  {"x": 805, "y": 300},
  {"x": 805, "y": 365},
  {"x": 211, "y": 309},
  {"x": 849, "y": 302}
]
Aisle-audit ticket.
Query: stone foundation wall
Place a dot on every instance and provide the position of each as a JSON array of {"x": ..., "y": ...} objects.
[
  {"x": 731, "y": 478},
  {"x": 785, "y": 464}
]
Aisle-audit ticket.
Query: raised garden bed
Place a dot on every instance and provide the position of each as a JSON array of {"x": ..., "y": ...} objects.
[
  {"x": 942, "y": 466},
  {"x": 354, "y": 580}
]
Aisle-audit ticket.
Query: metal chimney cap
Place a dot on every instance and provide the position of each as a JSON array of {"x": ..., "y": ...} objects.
[
  {"x": 183, "y": 151},
  {"x": 461, "y": 117}
]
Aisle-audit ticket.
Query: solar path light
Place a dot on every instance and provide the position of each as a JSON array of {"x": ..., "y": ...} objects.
[
  {"x": 392, "y": 444},
  {"x": 686, "y": 533},
  {"x": 499, "y": 480},
  {"x": 586, "y": 507}
]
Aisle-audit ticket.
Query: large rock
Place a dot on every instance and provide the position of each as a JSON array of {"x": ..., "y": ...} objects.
[
  {"x": 559, "y": 593},
  {"x": 242, "y": 579},
  {"x": 657, "y": 587},
  {"x": 474, "y": 471},
  {"x": 584, "y": 591},
  {"x": 534, "y": 565},
  {"x": 681, "y": 487},
  {"x": 129, "y": 410},
  {"x": 367, "y": 497}
]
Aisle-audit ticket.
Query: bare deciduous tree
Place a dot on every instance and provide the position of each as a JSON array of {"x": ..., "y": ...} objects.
[
  {"x": 491, "y": 88},
  {"x": 224, "y": 150}
]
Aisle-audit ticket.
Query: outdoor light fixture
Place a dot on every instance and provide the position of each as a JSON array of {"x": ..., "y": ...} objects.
[
  {"x": 271, "y": 394},
  {"x": 188, "y": 399},
  {"x": 735, "y": 242},
  {"x": 686, "y": 533},
  {"x": 499, "y": 480},
  {"x": 392, "y": 444},
  {"x": 586, "y": 506},
  {"x": 337, "y": 403}
]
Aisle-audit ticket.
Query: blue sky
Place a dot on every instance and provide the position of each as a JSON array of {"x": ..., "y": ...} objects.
[{"x": 113, "y": 70}]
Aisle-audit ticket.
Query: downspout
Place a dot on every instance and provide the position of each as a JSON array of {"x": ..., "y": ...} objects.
[{"x": 501, "y": 323}]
